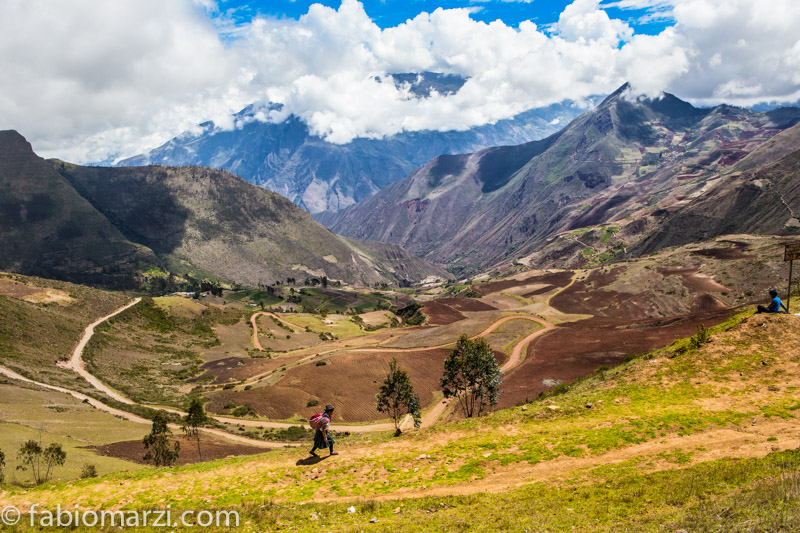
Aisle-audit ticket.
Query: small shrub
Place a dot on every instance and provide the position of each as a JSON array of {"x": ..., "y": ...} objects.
[
  {"x": 699, "y": 338},
  {"x": 312, "y": 402},
  {"x": 243, "y": 411},
  {"x": 320, "y": 363},
  {"x": 228, "y": 386},
  {"x": 230, "y": 405},
  {"x": 88, "y": 471}
]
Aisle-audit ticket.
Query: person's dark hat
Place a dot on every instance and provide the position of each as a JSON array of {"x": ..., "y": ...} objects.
[{"x": 329, "y": 407}]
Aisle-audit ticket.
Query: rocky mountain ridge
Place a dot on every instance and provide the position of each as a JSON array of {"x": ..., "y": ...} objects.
[
  {"x": 628, "y": 160},
  {"x": 318, "y": 175}
]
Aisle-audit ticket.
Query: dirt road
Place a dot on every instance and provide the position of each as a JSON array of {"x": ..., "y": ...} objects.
[
  {"x": 431, "y": 416},
  {"x": 131, "y": 417},
  {"x": 254, "y": 316},
  {"x": 75, "y": 362}
]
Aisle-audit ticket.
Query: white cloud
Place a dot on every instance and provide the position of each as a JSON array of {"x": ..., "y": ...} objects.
[{"x": 84, "y": 79}]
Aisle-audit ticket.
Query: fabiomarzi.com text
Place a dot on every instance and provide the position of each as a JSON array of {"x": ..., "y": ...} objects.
[{"x": 59, "y": 517}]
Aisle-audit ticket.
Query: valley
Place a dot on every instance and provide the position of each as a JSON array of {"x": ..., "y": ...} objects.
[
  {"x": 612, "y": 270},
  {"x": 263, "y": 373}
]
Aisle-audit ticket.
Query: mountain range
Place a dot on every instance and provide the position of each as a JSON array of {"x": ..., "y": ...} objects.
[
  {"x": 105, "y": 225},
  {"x": 632, "y": 162},
  {"x": 317, "y": 175}
]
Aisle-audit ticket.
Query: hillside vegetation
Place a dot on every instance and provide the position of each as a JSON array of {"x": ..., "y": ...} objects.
[
  {"x": 115, "y": 226},
  {"x": 698, "y": 436}
]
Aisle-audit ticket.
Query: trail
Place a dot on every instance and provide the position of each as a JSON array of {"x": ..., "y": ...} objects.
[
  {"x": 254, "y": 316},
  {"x": 130, "y": 416},
  {"x": 75, "y": 362},
  {"x": 431, "y": 416}
]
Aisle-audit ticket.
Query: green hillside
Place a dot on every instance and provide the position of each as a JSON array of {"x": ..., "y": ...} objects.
[
  {"x": 51, "y": 230},
  {"x": 698, "y": 438},
  {"x": 122, "y": 227}
]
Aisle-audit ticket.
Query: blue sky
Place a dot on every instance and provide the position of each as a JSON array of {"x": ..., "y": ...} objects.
[{"x": 389, "y": 13}]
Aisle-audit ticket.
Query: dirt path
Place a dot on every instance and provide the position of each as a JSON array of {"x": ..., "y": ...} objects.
[
  {"x": 707, "y": 446},
  {"x": 254, "y": 316},
  {"x": 130, "y": 416},
  {"x": 75, "y": 362}
]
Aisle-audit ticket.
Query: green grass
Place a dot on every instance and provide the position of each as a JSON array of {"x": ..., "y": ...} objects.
[
  {"x": 32, "y": 413},
  {"x": 724, "y": 495}
]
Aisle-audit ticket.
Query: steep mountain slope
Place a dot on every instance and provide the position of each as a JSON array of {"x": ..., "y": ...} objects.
[
  {"x": 97, "y": 224},
  {"x": 317, "y": 175},
  {"x": 761, "y": 195},
  {"x": 48, "y": 229},
  {"x": 629, "y": 157},
  {"x": 226, "y": 226}
]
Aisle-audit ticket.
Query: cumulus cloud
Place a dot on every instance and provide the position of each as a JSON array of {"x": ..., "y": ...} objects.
[{"x": 87, "y": 80}]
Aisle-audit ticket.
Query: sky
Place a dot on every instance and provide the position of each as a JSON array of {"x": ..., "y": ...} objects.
[{"x": 94, "y": 80}]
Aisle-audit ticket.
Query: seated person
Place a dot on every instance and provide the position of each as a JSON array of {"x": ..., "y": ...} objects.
[{"x": 774, "y": 306}]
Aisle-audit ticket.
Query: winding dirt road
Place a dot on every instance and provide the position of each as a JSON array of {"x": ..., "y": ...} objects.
[
  {"x": 77, "y": 365},
  {"x": 254, "y": 316},
  {"x": 75, "y": 362},
  {"x": 130, "y": 416}
]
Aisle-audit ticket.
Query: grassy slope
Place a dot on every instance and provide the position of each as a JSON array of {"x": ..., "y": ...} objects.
[
  {"x": 34, "y": 335},
  {"x": 28, "y": 412},
  {"x": 700, "y": 439}
]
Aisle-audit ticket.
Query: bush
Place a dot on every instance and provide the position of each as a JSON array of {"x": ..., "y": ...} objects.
[
  {"x": 243, "y": 411},
  {"x": 230, "y": 405},
  {"x": 228, "y": 386},
  {"x": 88, "y": 471},
  {"x": 699, "y": 338},
  {"x": 320, "y": 363},
  {"x": 312, "y": 402}
]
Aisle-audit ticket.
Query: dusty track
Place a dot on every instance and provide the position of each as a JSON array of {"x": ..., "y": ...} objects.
[
  {"x": 254, "y": 316},
  {"x": 129, "y": 416},
  {"x": 76, "y": 364}
]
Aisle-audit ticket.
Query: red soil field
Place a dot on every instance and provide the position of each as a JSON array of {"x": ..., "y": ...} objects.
[
  {"x": 677, "y": 271},
  {"x": 730, "y": 254},
  {"x": 576, "y": 349},
  {"x": 238, "y": 368},
  {"x": 699, "y": 283},
  {"x": 705, "y": 303},
  {"x": 559, "y": 279},
  {"x": 133, "y": 450},
  {"x": 349, "y": 381},
  {"x": 582, "y": 297},
  {"x": 440, "y": 314},
  {"x": 15, "y": 289},
  {"x": 466, "y": 304},
  {"x": 543, "y": 290}
]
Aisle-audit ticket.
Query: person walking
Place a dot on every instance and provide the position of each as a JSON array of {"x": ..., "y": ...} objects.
[{"x": 322, "y": 439}]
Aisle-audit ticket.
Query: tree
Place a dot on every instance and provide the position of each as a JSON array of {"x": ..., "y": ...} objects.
[
  {"x": 471, "y": 375},
  {"x": 157, "y": 443},
  {"x": 396, "y": 396},
  {"x": 32, "y": 456},
  {"x": 2, "y": 464},
  {"x": 194, "y": 419}
]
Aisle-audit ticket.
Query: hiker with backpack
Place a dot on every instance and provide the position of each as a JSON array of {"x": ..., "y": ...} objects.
[{"x": 320, "y": 423}]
